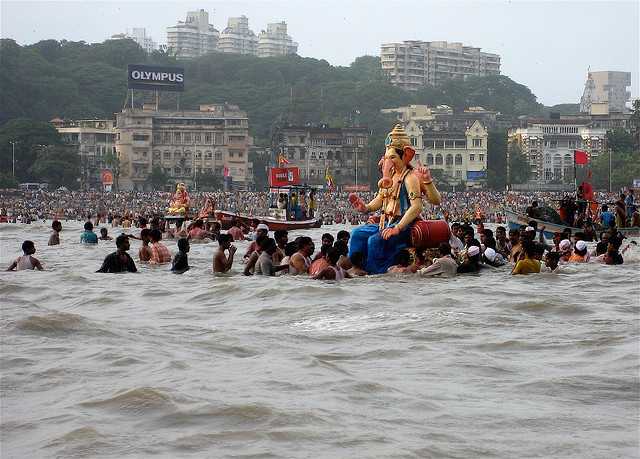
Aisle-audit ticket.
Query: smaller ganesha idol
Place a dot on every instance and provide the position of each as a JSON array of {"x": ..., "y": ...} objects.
[{"x": 180, "y": 201}]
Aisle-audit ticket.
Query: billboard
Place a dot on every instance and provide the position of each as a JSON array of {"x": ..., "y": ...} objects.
[
  {"x": 476, "y": 175},
  {"x": 155, "y": 78},
  {"x": 284, "y": 176}
]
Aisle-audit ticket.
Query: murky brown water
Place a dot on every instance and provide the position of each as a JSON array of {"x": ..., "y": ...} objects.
[{"x": 155, "y": 364}]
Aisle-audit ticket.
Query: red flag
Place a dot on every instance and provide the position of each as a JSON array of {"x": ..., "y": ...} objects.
[
  {"x": 580, "y": 157},
  {"x": 225, "y": 171}
]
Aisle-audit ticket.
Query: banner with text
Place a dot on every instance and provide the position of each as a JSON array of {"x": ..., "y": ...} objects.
[
  {"x": 155, "y": 78},
  {"x": 284, "y": 176}
]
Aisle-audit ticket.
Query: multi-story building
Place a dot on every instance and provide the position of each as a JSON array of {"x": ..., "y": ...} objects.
[
  {"x": 194, "y": 37},
  {"x": 412, "y": 65},
  {"x": 184, "y": 144},
  {"x": 606, "y": 92},
  {"x": 94, "y": 140},
  {"x": 314, "y": 150},
  {"x": 275, "y": 41},
  {"x": 237, "y": 38},
  {"x": 460, "y": 153},
  {"x": 548, "y": 146},
  {"x": 139, "y": 35}
]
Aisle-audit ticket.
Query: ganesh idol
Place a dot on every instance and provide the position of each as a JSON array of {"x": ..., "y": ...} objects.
[
  {"x": 399, "y": 201},
  {"x": 180, "y": 201}
]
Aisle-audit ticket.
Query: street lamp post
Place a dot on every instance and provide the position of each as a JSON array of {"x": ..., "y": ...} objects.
[
  {"x": 356, "y": 168},
  {"x": 13, "y": 156}
]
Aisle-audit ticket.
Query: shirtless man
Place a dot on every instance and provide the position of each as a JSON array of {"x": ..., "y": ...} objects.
[
  {"x": 301, "y": 260},
  {"x": 145, "y": 250},
  {"x": 54, "y": 239},
  {"x": 221, "y": 262}
]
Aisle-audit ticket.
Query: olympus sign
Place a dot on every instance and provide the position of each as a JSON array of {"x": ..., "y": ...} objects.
[{"x": 155, "y": 78}]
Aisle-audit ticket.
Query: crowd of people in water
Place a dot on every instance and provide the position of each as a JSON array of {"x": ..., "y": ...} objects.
[{"x": 472, "y": 248}]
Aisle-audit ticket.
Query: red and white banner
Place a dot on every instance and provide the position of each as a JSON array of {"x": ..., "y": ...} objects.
[{"x": 284, "y": 176}]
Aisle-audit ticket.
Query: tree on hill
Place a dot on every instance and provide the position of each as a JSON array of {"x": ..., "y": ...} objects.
[{"x": 28, "y": 135}]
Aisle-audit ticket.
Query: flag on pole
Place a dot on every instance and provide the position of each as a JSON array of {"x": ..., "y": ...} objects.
[
  {"x": 329, "y": 179},
  {"x": 580, "y": 157},
  {"x": 282, "y": 160}
]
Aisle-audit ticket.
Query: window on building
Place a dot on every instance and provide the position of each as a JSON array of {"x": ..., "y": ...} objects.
[
  {"x": 449, "y": 144},
  {"x": 439, "y": 144},
  {"x": 481, "y": 158},
  {"x": 197, "y": 138},
  {"x": 553, "y": 144},
  {"x": 140, "y": 137},
  {"x": 349, "y": 140},
  {"x": 207, "y": 138},
  {"x": 439, "y": 160},
  {"x": 320, "y": 155},
  {"x": 218, "y": 156},
  {"x": 303, "y": 153},
  {"x": 186, "y": 137},
  {"x": 208, "y": 154},
  {"x": 177, "y": 171},
  {"x": 198, "y": 154},
  {"x": 167, "y": 155},
  {"x": 330, "y": 154},
  {"x": 449, "y": 160},
  {"x": 156, "y": 154},
  {"x": 313, "y": 155},
  {"x": 472, "y": 157},
  {"x": 429, "y": 159},
  {"x": 414, "y": 141},
  {"x": 157, "y": 138},
  {"x": 458, "y": 174},
  {"x": 338, "y": 155},
  {"x": 231, "y": 155},
  {"x": 477, "y": 143},
  {"x": 177, "y": 137},
  {"x": 458, "y": 159}
]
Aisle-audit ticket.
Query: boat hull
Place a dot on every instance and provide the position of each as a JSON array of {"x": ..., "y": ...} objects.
[
  {"x": 515, "y": 220},
  {"x": 226, "y": 220}
]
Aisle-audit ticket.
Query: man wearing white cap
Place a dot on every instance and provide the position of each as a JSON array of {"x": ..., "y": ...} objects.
[
  {"x": 261, "y": 230},
  {"x": 580, "y": 253},
  {"x": 471, "y": 261},
  {"x": 492, "y": 258}
]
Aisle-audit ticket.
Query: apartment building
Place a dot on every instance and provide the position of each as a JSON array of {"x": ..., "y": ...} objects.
[
  {"x": 139, "y": 35},
  {"x": 184, "y": 144},
  {"x": 414, "y": 64},
  {"x": 94, "y": 140},
  {"x": 548, "y": 145},
  {"x": 460, "y": 153},
  {"x": 606, "y": 92},
  {"x": 275, "y": 41},
  {"x": 314, "y": 150},
  {"x": 194, "y": 37},
  {"x": 237, "y": 38}
]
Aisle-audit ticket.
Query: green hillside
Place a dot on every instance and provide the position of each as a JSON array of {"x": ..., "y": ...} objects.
[{"x": 80, "y": 80}]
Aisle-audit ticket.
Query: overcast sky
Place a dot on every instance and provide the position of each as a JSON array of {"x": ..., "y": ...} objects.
[{"x": 546, "y": 45}]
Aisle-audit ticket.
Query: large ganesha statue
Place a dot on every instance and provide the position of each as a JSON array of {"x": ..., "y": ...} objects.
[{"x": 399, "y": 200}]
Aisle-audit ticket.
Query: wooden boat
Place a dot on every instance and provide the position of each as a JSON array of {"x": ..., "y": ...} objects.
[
  {"x": 276, "y": 220},
  {"x": 515, "y": 220}
]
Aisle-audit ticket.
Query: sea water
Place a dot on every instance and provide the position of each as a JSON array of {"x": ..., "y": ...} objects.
[{"x": 155, "y": 364}]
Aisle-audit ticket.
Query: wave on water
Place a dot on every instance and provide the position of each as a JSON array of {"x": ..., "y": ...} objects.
[
  {"x": 139, "y": 401},
  {"x": 59, "y": 324}
]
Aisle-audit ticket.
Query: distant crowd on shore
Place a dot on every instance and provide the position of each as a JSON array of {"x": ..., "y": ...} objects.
[{"x": 126, "y": 208}]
